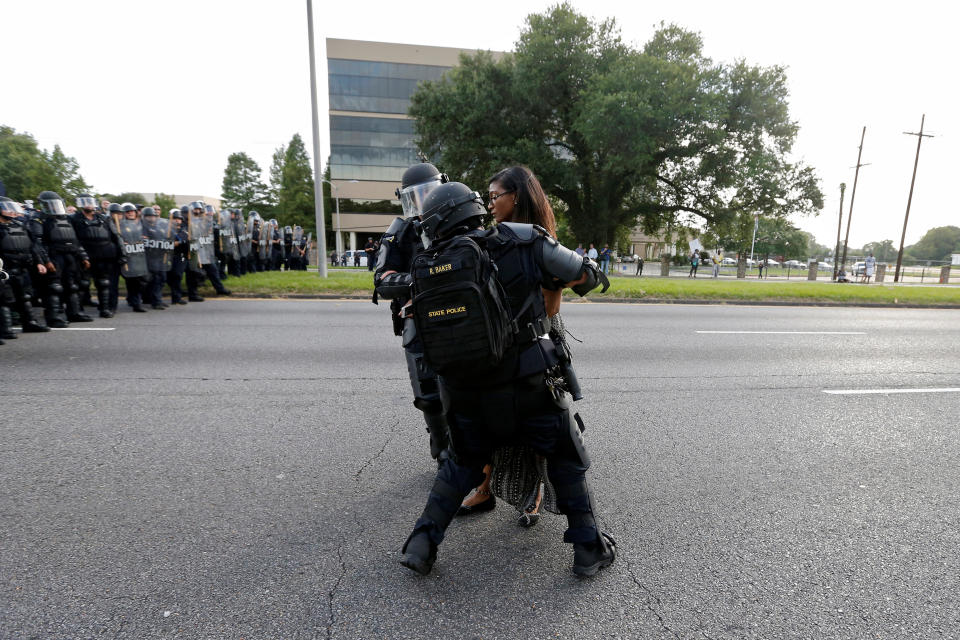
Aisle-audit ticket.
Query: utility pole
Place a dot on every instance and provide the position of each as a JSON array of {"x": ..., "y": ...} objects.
[
  {"x": 836, "y": 252},
  {"x": 853, "y": 194},
  {"x": 920, "y": 137},
  {"x": 317, "y": 184}
]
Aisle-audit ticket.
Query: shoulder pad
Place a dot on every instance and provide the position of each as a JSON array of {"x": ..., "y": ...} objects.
[
  {"x": 396, "y": 226},
  {"x": 525, "y": 232}
]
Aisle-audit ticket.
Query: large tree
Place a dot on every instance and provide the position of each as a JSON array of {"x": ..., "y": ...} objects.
[
  {"x": 936, "y": 244},
  {"x": 662, "y": 135},
  {"x": 883, "y": 251},
  {"x": 295, "y": 202},
  {"x": 242, "y": 186},
  {"x": 26, "y": 169}
]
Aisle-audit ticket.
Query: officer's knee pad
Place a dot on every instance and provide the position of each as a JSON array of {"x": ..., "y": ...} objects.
[{"x": 56, "y": 287}]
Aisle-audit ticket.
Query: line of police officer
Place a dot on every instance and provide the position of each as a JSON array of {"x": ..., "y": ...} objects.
[{"x": 50, "y": 256}]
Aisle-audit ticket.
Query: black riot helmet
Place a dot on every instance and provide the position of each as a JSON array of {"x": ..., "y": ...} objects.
[
  {"x": 52, "y": 204},
  {"x": 185, "y": 209},
  {"x": 196, "y": 204},
  {"x": 176, "y": 213},
  {"x": 114, "y": 208},
  {"x": 288, "y": 229},
  {"x": 417, "y": 183},
  {"x": 448, "y": 209},
  {"x": 149, "y": 211},
  {"x": 86, "y": 201},
  {"x": 128, "y": 206},
  {"x": 10, "y": 208}
]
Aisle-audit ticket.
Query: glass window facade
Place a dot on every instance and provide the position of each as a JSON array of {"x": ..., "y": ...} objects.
[
  {"x": 376, "y": 87},
  {"x": 372, "y": 148}
]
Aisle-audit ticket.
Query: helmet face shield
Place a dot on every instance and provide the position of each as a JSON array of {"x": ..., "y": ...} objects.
[
  {"x": 87, "y": 203},
  {"x": 10, "y": 208},
  {"x": 411, "y": 198},
  {"x": 55, "y": 207}
]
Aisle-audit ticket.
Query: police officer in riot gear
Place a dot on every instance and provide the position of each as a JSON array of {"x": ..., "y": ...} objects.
[
  {"x": 392, "y": 280},
  {"x": 276, "y": 245},
  {"x": 67, "y": 259},
  {"x": 288, "y": 258},
  {"x": 181, "y": 254},
  {"x": 202, "y": 255},
  {"x": 102, "y": 245},
  {"x": 134, "y": 268},
  {"x": 21, "y": 253},
  {"x": 514, "y": 402}
]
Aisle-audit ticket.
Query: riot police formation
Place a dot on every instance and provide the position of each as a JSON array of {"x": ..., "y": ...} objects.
[
  {"x": 392, "y": 280},
  {"x": 50, "y": 256},
  {"x": 479, "y": 312}
]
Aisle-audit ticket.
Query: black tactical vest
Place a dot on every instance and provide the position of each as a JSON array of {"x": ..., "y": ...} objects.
[
  {"x": 95, "y": 237},
  {"x": 60, "y": 235},
  {"x": 15, "y": 244},
  {"x": 518, "y": 274}
]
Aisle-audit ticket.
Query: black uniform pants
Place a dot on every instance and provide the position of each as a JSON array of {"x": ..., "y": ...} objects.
[
  {"x": 63, "y": 286},
  {"x": 194, "y": 278},
  {"x": 520, "y": 413},
  {"x": 175, "y": 278},
  {"x": 105, "y": 273},
  {"x": 135, "y": 289},
  {"x": 21, "y": 289}
]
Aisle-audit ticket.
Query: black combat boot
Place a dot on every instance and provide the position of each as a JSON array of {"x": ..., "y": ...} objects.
[
  {"x": 29, "y": 324},
  {"x": 589, "y": 558},
  {"x": 419, "y": 553},
  {"x": 6, "y": 324},
  {"x": 75, "y": 311}
]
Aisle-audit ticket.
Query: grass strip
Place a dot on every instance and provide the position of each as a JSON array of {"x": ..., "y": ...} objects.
[{"x": 360, "y": 282}]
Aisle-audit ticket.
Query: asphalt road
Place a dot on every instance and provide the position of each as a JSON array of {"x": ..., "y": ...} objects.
[{"x": 249, "y": 469}]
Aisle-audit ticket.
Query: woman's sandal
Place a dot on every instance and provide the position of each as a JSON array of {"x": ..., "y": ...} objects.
[
  {"x": 480, "y": 507},
  {"x": 531, "y": 511}
]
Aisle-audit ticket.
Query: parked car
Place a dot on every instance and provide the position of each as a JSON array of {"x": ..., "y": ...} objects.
[
  {"x": 751, "y": 262},
  {"x": 729, "y": 261},
  {"x": 772, "y": 263},
  {"x": 824, "y": 266},
  {"x": 859, "y": 268},
  {"x": 794, "y": 264}
]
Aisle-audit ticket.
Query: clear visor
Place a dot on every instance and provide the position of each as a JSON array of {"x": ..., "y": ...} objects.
[
  {"x": 209, "y": 208},
  {"x": 55, "y": 207},
  {"x": 87, "y": 203},
  {"x": 11, "y": 207},
  {"x": 413, "y": 196}
]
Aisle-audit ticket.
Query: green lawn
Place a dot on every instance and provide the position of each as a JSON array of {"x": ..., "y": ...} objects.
[{"x": 345, "y": 282}]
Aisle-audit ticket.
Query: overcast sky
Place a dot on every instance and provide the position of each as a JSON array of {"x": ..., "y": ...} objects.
[{"x": 154, "y": 96}]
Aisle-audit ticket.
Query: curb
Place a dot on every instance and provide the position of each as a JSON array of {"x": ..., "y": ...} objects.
[{"x": 687, "y": 301}]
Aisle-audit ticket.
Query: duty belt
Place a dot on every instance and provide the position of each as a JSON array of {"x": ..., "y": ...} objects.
[{"x": 533, "y": 330}]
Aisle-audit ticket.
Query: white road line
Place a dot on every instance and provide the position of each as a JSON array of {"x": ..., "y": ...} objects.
[
  {"x": 84, "y": 328},
  {"x": 808, "y": 333},
  {"x": 853, "y": 392}
]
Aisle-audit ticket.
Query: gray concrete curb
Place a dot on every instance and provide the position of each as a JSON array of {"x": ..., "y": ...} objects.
[{"x": 747, "y": 303}]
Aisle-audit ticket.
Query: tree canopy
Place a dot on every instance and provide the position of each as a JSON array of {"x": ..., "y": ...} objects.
[
  {"x": 26, "y": 169},
  {"x": 662, "y": 136},
  {"x": 295, "y": 202},
  {"x": 242, "y": 186},
  {"x": 936, "y": 244}
]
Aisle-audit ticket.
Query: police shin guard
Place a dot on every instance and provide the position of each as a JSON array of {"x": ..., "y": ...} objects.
[
  {"x": 27, "y": 321},
  {"x": 439, "y": 435},
  {"x": 6, "y": 324},
  {"x": 53, "y": 310},
  {"x": 75, "y": 311}
]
